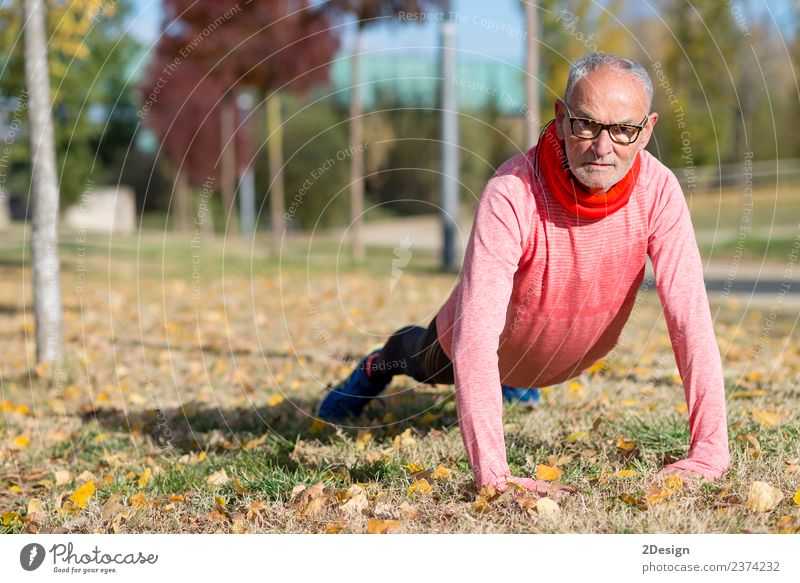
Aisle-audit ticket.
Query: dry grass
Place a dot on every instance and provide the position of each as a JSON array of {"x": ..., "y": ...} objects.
[{"x": 155, "y": 380}]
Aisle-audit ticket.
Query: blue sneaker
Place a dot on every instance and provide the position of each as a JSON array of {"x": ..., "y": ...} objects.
[
  {"x": 349, "y": 397},
  {"x": 525, "y": 396}
]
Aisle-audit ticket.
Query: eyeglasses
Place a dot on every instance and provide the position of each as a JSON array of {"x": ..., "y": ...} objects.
[{"x": 585, "y": 128}]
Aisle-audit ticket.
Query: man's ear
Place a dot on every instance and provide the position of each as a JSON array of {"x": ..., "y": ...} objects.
[
  {"x": 647, "y": 132},
  {"x": 561, "y": 113}
]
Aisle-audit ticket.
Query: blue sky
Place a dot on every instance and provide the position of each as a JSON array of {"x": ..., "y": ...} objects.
[
  {"x": 486, "y": 28},
  {"x": 474, "y": 30}
]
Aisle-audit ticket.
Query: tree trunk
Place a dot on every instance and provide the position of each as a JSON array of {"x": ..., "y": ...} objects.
[
  {"x": 275, "y": 149},
  {"x": 228, "y": 161},
  {"x": 531, "y": 75},
  {"x": 44, "y": 237},
  {"x": 182, "y": 218},
  {"x": 357, "y": 155}
]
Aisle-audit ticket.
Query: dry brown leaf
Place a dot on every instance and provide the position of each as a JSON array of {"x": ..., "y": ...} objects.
[
  {"x": 36, "y": 511},
  {"x": 527, "y": 503},
  {"x": 356, "y": 502},
  {"x": 763, "y": 497},
  {"x": 332, "y": 528},
  {"x": 631, "y": 500},
  {"x": 548, "y": 507},
  {"x": 408, "y": 511},
  {"x": 218, "y": 478}
]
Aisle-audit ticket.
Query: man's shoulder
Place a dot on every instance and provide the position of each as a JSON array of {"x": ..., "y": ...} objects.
[
  {"x": 654, "y": 173},
  {"x": 516, "y": 174},
  {"x": 519, "y": 165}
]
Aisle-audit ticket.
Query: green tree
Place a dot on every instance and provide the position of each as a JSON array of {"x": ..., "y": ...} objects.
[{"x": 88, "y": 53}]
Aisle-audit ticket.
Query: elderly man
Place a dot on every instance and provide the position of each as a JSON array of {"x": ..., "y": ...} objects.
[{"x": 554, "y": 261}]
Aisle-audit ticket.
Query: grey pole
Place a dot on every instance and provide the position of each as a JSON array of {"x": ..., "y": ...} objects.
[
  {"x": 247, "y": 182},
  {"x": 450, "y": 175}
]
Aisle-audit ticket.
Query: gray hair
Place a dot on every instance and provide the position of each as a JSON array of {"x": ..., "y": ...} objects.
[{"x": 592, "y": 61}]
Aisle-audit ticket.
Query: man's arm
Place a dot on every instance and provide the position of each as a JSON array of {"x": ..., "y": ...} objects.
[
  {"x": 487, "y": 277},
  {"x": 679, "y": 280}
]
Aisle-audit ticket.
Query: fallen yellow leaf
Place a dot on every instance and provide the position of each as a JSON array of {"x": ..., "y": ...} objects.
[
  {"x": 577, "y": 436},
  {"x": 441, "y": 473},
  {"x": 21, "y": 442},
  {"x": 81, "y": 495},
  {"x": 796, "y": 497},
  {"x": 548, "y": 473},
  {"x": 145, "y": 477},
  {"x": 627, "y": 473},
  {"x": 10, "y": 518},
  {"x": 421, "y": 487},
  {"x": 138, "y": 500},
  {"x": 767, "y": 418},
  {"x": 625, "y": 444},
  {"x": 378, "y": 526},
  {"x": 415, "y": 468},
  {"x": 275, "y": 400}
]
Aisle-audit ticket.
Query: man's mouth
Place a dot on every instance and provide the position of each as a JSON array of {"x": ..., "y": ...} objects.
[{"x": 598, "y": 165}]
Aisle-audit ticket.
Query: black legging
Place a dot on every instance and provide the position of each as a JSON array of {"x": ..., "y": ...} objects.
[{"x": 414, "y": 351}]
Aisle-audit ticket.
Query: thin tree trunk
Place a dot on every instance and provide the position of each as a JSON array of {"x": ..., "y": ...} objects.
[
  {"x": 228, "y": 186},
  {"x": 357, "y": 155},
  {"x": 182, "y": 218},
  {"x": 44, "y": 238},
  {"x": 275, "y": 149},
  {"x": 532, "y": 75}
]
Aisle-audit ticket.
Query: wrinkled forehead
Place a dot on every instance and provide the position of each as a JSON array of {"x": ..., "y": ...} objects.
[{"x": 609, "y": 95}]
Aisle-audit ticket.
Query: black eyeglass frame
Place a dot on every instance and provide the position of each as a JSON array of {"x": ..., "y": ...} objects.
[{"x": 604, "y": 126}]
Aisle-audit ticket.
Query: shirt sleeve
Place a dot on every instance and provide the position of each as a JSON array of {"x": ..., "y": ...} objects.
[
  {"x": 679, "y": 281},
  {"x": 487, "y": 277}
]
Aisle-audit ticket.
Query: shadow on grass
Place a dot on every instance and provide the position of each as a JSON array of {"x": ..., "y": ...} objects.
[{"x": 196, "y": 427}]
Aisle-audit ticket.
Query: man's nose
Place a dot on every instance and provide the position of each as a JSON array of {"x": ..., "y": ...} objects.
[{"x": 602, "y": 144}]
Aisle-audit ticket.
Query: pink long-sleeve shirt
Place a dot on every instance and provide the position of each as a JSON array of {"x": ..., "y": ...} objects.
[{"x": 543, "y": 294}]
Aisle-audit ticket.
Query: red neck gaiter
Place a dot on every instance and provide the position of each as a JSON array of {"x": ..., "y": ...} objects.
[{"x": 552, "y": 163}]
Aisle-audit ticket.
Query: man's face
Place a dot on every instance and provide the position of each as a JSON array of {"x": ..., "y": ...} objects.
[{"x": 608, "y": 96}]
